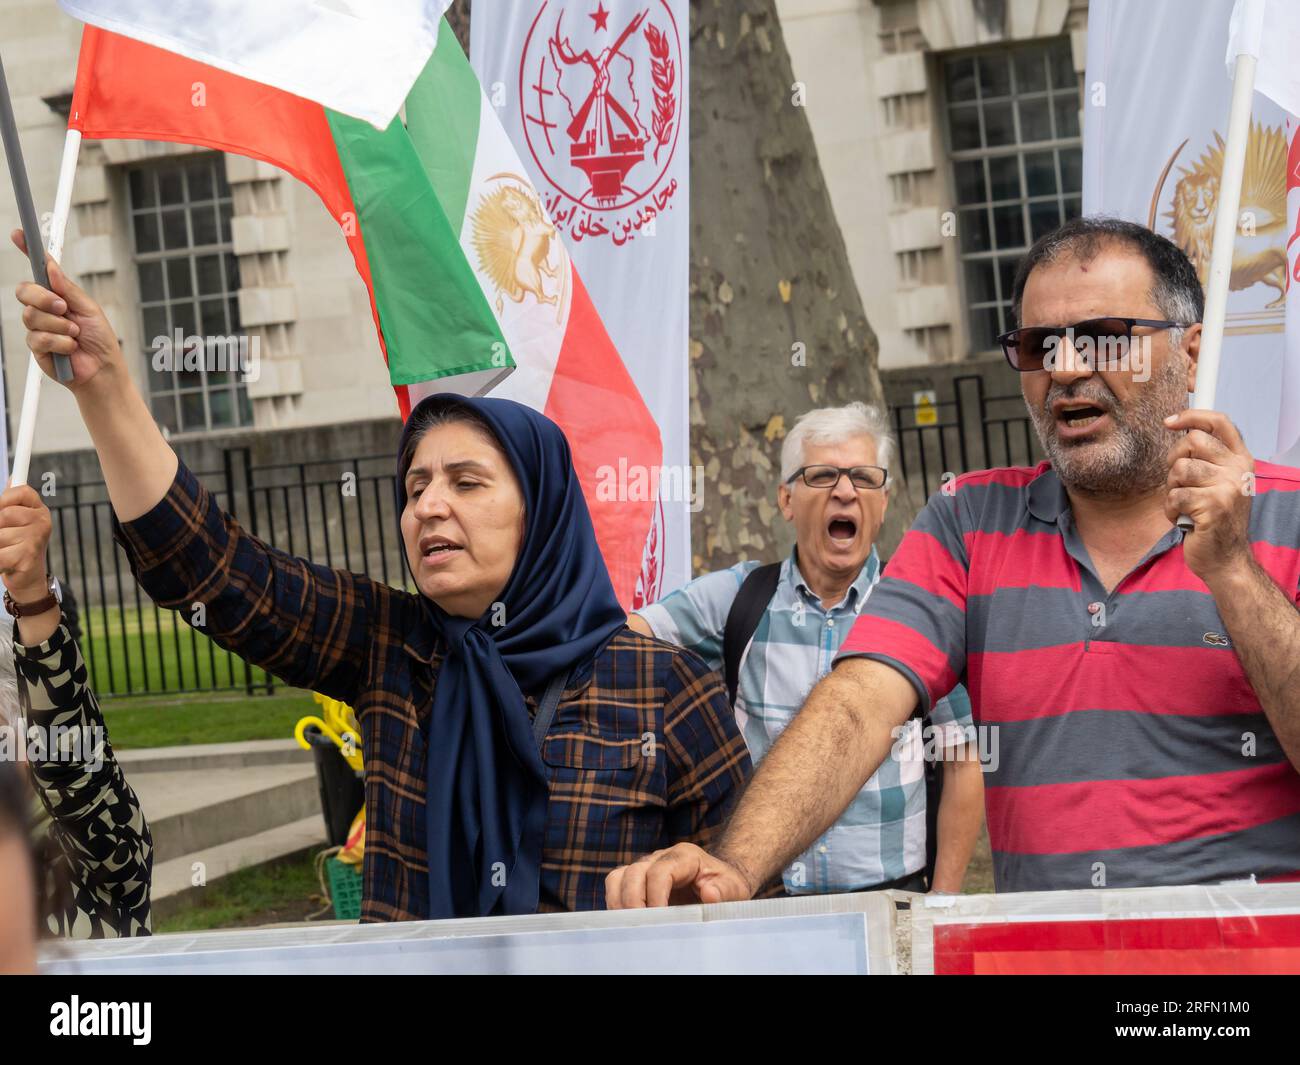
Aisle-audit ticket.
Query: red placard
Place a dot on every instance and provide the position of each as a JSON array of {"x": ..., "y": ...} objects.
[{"x": 1111, "y": 946}]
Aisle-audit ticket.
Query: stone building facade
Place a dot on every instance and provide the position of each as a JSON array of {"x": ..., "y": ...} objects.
[{"x": 949, "y": 134}]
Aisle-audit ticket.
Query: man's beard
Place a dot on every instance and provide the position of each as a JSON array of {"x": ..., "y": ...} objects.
[{"x": 1135, "y": 456}]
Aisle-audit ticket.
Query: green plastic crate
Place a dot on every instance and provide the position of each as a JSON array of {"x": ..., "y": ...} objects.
[{"x": 345, "y": 889}]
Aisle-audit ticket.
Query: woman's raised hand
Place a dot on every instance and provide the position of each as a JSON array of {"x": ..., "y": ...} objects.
[{"x": 63, "y": 320}]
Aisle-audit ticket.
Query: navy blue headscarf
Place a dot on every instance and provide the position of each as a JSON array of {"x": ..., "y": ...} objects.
[{"x": 487, "y": 793}]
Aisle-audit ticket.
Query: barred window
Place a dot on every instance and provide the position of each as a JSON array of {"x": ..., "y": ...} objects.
[
  {"x": 189, "y": 278},
  {"x": 1012, "y": 123}
]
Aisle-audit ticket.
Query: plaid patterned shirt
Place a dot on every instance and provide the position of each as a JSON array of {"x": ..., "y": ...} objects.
[
  {"x": 881, "y": 836},
  {"x": 643, "y": 751}
]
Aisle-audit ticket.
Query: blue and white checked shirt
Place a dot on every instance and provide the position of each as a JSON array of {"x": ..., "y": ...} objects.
[{"x": 881, "y": 836}]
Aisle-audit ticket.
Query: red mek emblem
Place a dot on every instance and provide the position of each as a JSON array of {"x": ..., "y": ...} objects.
[{"x": 601, "y": 101}]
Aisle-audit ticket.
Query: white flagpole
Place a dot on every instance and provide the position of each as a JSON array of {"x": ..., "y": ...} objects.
[
  {"x": 1226, "y": 209},
  {"x": 32, "y": 391}
]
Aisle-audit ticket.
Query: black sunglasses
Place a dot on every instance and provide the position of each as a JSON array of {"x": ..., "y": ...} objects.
[
  {"x": 829, "y": 476},
  {"x": 1099, "y": 343}
]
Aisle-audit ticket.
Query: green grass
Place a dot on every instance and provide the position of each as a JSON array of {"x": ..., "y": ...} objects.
[
  {"x": 160, "y": 652},
  {"x": 130, "y": 651},
  {"x": 173, "y": 721},
  {"x": 285, "y": 890}
]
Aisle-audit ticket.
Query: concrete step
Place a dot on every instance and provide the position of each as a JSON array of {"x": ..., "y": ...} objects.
[
  {"x": 197, "y": 809},
  {"x": 217, "y": 808},
  {"x": 174, "y": 881},
  {"x": 213, "y": 756}
]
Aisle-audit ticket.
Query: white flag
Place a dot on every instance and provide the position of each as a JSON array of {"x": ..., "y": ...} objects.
[
  {"x": 360, "y": 57},
  {"x": 1153, "y": 139},
  {"x": 1270, "y": 31}
]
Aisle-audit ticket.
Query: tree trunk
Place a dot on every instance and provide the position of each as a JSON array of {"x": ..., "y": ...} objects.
[
  {"x": 458, "y": 17},
  {"x": 777, "y": 325},
  {"x": 776, "y": 322}
]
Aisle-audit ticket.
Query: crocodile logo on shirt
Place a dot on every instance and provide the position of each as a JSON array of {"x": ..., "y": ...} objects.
[{"x": 1216, "y": 639}]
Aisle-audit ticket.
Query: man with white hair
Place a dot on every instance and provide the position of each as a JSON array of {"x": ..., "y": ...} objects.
[{"x": 773, "y": 631}]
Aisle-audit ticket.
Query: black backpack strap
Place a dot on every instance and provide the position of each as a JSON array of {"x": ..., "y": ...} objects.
[{"x": 756, "y": 591}]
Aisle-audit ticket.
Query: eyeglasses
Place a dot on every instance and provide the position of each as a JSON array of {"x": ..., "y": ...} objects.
[
  {"x": 829, "y": 476},
  {"x": 1099, "y": 343}
]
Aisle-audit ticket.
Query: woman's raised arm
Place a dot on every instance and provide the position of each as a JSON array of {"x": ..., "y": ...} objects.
[{"x": 309, "y": 625}]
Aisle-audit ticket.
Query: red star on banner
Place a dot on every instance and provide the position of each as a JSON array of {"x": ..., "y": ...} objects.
[{"x": 599, "y": 17}]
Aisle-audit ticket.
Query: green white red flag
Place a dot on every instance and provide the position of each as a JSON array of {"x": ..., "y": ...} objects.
[{"x": 468, "y": 279}]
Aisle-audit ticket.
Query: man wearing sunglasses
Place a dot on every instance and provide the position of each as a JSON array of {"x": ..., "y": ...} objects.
[
  {"x": 773, "y": 631},
  {"x": 1143, "y": 680}
]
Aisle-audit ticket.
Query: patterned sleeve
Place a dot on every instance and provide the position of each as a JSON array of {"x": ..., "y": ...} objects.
[
  {"x": 708, "y": 762},
  {"x": 695, "y": 615},
  {"x": 951, "y": 718},
  {"x": 307, "y": 624},
  {"x": 101, "y": 842}
]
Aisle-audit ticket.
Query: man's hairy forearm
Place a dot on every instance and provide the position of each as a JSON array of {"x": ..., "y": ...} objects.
[
  {"x": 836, "y": 741},
  {"x": 1265, "y": 629}
]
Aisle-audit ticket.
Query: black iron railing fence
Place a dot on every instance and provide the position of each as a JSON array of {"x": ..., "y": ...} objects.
[
  {"x": 341, "y": 512},
  {"x": 337, "y": 512},
  {"x": 972, "y": 430}
]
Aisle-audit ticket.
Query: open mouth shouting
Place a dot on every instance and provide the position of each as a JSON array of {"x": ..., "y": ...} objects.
[
  {"x": 842, "y": 529},
  {"x": 1078, "y": 419},
  {"x": 437, "y": 550}
]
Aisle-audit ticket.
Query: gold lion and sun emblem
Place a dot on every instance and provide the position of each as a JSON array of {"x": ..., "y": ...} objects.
[
  {"x": 1259, "y": 253},
  {"x": 518, "y": 247}
]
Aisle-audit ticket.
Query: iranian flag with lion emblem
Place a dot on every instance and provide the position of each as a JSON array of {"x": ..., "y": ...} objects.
[{"x": 470, "y": 282}]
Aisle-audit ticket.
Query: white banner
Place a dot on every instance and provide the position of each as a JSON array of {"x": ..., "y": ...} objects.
[
  {"x": 595, "y": 99},
  {"x": 1155, "y": 118}
]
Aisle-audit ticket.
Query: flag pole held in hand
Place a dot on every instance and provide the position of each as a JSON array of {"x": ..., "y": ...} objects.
[
  {"x": 26, "y": 208},
  {"x": 1246, "y": 44}
]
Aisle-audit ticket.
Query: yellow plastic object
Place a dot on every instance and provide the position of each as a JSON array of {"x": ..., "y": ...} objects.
[
  {"x": 339, "y": 724},
  {"x": 339, "y": 715}
]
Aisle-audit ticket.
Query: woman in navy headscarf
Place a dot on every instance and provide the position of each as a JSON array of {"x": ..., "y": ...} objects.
[
  {"x": 520, "y": 742},
  {"x": 501, "y": 545}
]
